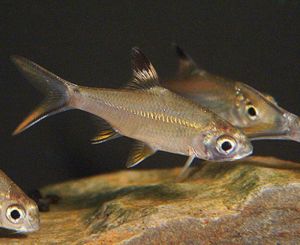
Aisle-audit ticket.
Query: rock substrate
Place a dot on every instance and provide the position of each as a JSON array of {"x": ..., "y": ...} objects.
[{"x": 254, "y": 201}]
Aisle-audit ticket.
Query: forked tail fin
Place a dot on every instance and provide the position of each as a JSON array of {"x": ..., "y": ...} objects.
[{"x": 56, "y": 89}]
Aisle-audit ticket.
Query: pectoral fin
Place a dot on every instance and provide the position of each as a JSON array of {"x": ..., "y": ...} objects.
[
  {"x": 184, "y": 170},
  {"x": 139, "y": 152},
  {"x": 105, "y": 133}
]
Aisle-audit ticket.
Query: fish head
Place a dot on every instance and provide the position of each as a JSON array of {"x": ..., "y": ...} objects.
[
  {"x": 260, "y": 117},
  {"x": 222, "y": 142},
  {"x": 20, "y": 214}
]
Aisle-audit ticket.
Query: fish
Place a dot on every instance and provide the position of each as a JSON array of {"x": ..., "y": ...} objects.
[
  {"x": 18, "y": 212},
  {"x": 257, "y": 114},
  {"x": 43, "y": 201},
  {"x": 156, "y": 118}
]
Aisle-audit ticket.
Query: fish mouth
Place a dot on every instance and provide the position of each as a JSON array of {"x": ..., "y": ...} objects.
[
  {"x": 34, "y": 226},
  {"x": 29, "y": 228},
  {"x": 288, "y": 129},
  {"x": 33, "y": 220},
  {"x": 293, "y": 132},
  {"x": 246, "y": 153}
]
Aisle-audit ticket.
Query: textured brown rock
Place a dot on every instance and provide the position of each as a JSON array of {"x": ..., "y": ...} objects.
[{"x": 256, "y": 201}]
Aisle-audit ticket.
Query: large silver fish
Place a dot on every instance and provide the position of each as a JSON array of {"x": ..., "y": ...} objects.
[
  {"x": 157, "y": 118},
  {"x": 17, "y": 211},
  {"x": 257, "y": 114}
]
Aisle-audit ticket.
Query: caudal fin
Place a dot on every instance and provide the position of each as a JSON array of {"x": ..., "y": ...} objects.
[{"x": 56, "y": 89}]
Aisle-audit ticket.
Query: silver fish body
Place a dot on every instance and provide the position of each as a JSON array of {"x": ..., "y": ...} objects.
[
  {"x": 257, "y": 114},
  {"x": 157, "y": 118},
  {"x": 17, "y": 211},
  {"x": 177, "y": 127}
]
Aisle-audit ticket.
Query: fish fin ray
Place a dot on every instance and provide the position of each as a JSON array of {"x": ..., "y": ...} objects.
[
  {"x": 144, "y": 74},
  {"x": 56, "y": 90},
  {"x": 105, "y": 133},
  {"x": 185, "y": 169},
  {"x": 139, "y": 152},
  {"x": 186, "y": 65}
]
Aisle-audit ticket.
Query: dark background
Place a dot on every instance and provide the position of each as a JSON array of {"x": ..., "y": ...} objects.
[{"x": 89, "y": 44}]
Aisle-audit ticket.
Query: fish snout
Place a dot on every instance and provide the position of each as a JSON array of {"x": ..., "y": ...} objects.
[
  {"x": 33, "y": 219},
  {"x": 246, "y": 149},
  {"x": 293, "y": 126}
]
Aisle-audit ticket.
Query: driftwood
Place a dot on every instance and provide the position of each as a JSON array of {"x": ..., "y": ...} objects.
[{"x": 254, "y": 201}]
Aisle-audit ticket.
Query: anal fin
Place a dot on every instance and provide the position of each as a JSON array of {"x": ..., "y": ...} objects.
[{"x": 139, "y": 152}]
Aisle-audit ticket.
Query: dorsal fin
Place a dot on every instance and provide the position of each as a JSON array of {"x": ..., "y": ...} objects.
[
  {"x": 186, "y": 66},
  {"x": 138, "y": 153},
  {"x": 144, "y": 74}
]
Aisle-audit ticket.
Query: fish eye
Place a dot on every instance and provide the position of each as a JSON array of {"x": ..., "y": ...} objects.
[
  {"x": 15, "y": 213},
  {"x": 225, "y": 144},
  {"x": 252, "y": 112}
]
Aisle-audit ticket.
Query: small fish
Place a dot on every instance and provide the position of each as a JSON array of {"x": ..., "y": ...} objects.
[
  {"x": 43, "y": 202},
  {"x": 17, "y": 211},
  {"x": 257, "y": 114},
  {"x": 152, "y": 115}
]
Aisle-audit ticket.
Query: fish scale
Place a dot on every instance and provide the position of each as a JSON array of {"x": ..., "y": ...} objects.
[{"x": 177, "y": 119}]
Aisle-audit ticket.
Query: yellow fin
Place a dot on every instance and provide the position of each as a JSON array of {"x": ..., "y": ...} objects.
[
  {"x": 139, "y": 152},
  {"x": 105, "y": 133}
]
